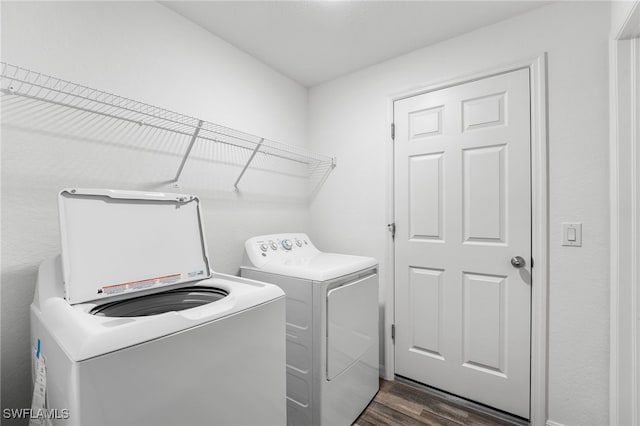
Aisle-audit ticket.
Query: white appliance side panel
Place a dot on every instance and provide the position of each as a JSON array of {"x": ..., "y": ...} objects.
[
  {"x": 228, "y": 372},
  {"x": 300, "y": 350},
  {"x": 352, "y": 323},
  {"x": 61, "y": 371}
]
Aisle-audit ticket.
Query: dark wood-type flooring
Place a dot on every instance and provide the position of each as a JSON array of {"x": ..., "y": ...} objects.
[{"x": 399, "y": 404}]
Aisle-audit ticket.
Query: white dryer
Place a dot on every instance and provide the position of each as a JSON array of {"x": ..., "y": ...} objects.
[
  {"x": 332, "y": 326},
  {"x": 135, "y": 329}
]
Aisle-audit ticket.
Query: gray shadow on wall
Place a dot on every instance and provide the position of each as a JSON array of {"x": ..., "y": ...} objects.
[{"x": 17, "y": 294}]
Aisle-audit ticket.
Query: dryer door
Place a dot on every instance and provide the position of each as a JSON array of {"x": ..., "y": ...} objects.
[{"x": 352, "y": 323}]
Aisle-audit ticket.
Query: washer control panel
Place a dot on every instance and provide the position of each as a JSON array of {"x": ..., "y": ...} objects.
[{"x": 287, "y": 248}]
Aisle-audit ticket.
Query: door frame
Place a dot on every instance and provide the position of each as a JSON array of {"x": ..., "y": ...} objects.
[
  {"x": 539, "y": 223},
  {"x": 624, "y": 177}
]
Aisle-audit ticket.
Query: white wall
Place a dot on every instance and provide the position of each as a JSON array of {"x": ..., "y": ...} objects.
[
  {"x": 145, "y": 52},
  {"x": 349, "y": 117}
]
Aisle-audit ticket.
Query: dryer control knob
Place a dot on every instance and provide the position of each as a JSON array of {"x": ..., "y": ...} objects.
[
  {"x": 287, "y": 244},
  {"x": 264, "y": 247},
  {"x": 299, "y": 243},
  {"x": 273, "y": 245}
]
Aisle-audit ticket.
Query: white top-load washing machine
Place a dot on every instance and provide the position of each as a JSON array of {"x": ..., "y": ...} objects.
[
  {"x": 133, "y": 328},
  {"x": 332, "y": 326}
]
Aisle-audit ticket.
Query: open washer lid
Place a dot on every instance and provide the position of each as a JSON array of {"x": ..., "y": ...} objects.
[{"x": 120, "y": 242}]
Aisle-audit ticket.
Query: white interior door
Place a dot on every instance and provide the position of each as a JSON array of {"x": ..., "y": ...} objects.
[{"x": 463, "y": 212}]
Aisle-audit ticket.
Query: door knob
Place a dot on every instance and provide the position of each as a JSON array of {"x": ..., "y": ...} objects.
[{"x": 517, "y": 262}]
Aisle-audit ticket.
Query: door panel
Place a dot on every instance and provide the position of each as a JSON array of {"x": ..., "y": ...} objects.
[
  {"x": 425, "y": 196},
  {"x": 426, "y": 289},
  {"x": 483, "y": 112},
  {"x": 484, "y": 322},
  {"x": 463, "y": 210},
  {"x": 483, "y": 191}
]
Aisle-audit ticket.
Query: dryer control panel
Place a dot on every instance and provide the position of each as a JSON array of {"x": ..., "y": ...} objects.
[
  {"x": 291, "y": 248},
  {"x": 294, "y": 255}
]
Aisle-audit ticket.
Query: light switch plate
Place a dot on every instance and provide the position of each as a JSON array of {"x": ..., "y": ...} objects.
[{"x": 572, "y": 234}]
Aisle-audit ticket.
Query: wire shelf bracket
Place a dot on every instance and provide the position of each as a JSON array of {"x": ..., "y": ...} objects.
[
  {"x": 244, "y": 169},
  {"x": 176, "y": 180}
]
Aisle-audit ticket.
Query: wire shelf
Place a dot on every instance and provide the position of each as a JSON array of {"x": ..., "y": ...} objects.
[{"x": 32, "y": 95}]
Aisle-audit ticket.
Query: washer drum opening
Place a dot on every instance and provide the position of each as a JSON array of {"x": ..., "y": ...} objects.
[{"x": 154, "y": 304}]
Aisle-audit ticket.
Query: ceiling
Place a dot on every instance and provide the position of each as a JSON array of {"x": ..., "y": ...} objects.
[{"x": 316, "y": 41}]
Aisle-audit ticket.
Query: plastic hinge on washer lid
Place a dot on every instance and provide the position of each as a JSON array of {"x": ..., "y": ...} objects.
[{"x": 119, "y": 242}]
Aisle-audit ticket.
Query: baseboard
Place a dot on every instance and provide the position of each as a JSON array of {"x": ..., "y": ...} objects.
[{"x": 552, "y": 423}]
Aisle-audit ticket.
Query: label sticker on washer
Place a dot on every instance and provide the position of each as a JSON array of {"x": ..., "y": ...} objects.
[
  {"x": 39, "y": 401},
  {"x": 112, "y": 289}
]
